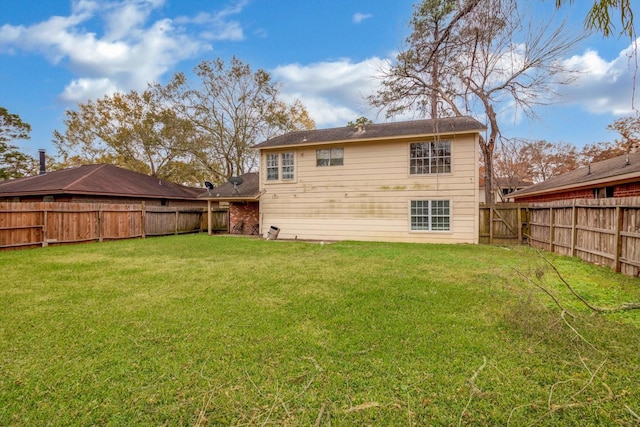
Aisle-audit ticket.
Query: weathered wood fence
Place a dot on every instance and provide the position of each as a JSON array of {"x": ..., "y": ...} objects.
[
  {"x": 42, "y": 224},
  {"x": 600, "y": 231}
]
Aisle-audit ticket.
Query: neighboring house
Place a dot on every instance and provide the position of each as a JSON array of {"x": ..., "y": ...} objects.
[
  {"x": 99, "y": 184},
  {"x": 413, "y": 181},
  {"x": 616, "y": 177},
  {"x": 504, "y": 188},
  {"x": 242, "y": 201}
]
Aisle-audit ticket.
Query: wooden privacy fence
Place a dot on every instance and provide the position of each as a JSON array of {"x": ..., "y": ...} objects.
[
  {"x": 45, "y": 223},
  {"x": 503, "y": 223},
  {"x": 600, "y": 231}
]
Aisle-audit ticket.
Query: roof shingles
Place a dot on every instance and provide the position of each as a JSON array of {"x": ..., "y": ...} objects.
[
  {"x": 607, "y": 170},
  {"x": 102, "y": 179},
  {"x": 448, "y": 125}
]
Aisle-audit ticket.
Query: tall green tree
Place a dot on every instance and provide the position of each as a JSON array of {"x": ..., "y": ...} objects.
[
  {"x": 232, "y": 108},
  {"x": 14, "y": 163},
  {"x": 489, "y": 57}
]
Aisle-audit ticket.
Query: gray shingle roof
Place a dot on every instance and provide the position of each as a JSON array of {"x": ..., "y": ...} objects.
[
  {"x": 449, "y": 125},
  {"x": 606, "y": 171},
  {"x": 97, "y": 180},
  {"x": 249, "y": 189}
]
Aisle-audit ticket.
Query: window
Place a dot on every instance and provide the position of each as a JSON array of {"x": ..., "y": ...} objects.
[
  {"x": 330, "y": 157},
  {"x": 272, "y": 167},
  {"x": 287, "y": 166},
  {"x": 430, "y": 157},
  {"x": 430, "y": 215},
  {"x": 287, "y": 160}
]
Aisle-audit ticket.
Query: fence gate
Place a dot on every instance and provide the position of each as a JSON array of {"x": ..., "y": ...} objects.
[{"x": 504, "y": 224}]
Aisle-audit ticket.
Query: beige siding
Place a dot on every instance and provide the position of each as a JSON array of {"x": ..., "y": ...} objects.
[{"x": 368, "y": 198}]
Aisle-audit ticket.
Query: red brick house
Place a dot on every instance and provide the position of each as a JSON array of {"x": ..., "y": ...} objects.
[
  {"x": 616, "y": 177},
  {"x": 242, "y": 197}
]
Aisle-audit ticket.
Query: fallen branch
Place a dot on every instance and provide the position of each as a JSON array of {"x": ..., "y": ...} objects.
[
  {"x": 621, "y": 307},
  {"x": 543, "y": 289},
  {"x": 474, "y": 388}
]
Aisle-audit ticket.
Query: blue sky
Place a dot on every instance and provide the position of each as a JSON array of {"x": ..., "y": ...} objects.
[{"x": 327, "y": 53}]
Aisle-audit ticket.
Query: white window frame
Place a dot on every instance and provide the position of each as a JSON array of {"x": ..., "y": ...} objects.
[
  {"x": 273, "y": 166},
  {"x": 288, "y": 166},
  {"x": 335, "y": 157},
  {"x": 429, "y": 210},
  {"x": 435, "y": 159},
  {"x": 280, "y": 166}
]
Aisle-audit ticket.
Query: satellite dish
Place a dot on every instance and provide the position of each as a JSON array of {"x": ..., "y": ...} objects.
[
  {"x": 209, "y": 185},
  {"x": 235, "y": 180}
]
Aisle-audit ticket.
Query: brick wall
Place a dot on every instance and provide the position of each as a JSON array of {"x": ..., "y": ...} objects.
[
  {"x": 567, "y": 195},
  {"x": 623, "y": 190},
  {"x": 245, "y": 213},
  {"x": 627, "y": 190}
]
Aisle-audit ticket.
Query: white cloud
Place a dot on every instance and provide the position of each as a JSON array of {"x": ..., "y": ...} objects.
[
  {"x": 604, "y": 87},
  {"x": 333, "y": 92},
  {"x": 83, "y": 89},
  {"x": 130, "y": 50},
  {"x": 359, "y": 17}
]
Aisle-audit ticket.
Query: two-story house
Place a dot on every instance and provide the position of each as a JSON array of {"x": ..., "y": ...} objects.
[{"x": 414, "y": 181}]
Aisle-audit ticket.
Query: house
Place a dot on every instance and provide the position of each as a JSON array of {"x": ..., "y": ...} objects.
[
  {"x": 503, "y": 188},
  {"x": 616, "y": 177},
  {"x": 414, "y": 181},
  {"x": 99, "y": 184},
  {"x": 240, "y": 195}
]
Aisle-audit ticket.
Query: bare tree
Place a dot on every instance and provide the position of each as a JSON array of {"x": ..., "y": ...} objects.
[
  {"x": 493, "y": 62},
  {"x": 232, "y": 108}
]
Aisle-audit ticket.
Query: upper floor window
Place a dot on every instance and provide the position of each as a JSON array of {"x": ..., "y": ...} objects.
[
  {"x": 430, "y": 157},
  {"x": 280, "y": 166},
  {"x": 287, "y": 166},
  {"x": 272, "y": 166},
  {"x": 330, "y": 157}
]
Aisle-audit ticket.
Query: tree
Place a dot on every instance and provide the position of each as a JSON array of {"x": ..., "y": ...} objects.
[
  {"x": 629, "y": 130},
  {"x": 511, "y": 165},
  {"x": 137, "y": 131},
  {"x": 600, "y": 16},
  {"x": 488, "y": 58},
  {"x": 360, "y": 121},
  {"x": 520, "y": 160},
  {"x": 548, "y": 159},
  {"x": 231, "y": 110},
  {"x": 13, "y": 163}
]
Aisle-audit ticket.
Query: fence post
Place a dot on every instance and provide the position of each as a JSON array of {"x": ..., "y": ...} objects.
[
  {"x": 100, "y": 224},
  {"x": 574, "y": 228},
  {"x": 490, "y": 224},
  {"x": 209, "y": 218},
  {"x": 45, "y": 243},
  {"x": 143, "y": 219},
  {"x": 176, "y": 222},
  {"x": 551, "y": 230},
  {"x": 618, "y": 238}
]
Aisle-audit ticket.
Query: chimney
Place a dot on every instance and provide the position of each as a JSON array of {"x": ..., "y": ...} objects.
[{"x": 43, "y": 162}]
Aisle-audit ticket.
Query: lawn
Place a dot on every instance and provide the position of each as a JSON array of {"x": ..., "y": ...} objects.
[{"x": 198, "y": 330}]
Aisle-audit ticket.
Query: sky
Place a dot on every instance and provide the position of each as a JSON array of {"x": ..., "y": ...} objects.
[{"x": 328, "y": 54}]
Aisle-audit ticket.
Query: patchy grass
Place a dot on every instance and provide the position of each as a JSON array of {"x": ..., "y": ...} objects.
[{"x": 199, "y": 330}]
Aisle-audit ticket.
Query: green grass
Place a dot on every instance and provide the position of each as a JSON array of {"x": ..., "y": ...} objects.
[{"x": 200, "y": 330}]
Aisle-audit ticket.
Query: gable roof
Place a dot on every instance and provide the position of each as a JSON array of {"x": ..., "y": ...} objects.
[
  {"x": 597, "y": 174},
  {"x": 430, "y": 127},
  {"x": 97, "y": 180},
  {"x": 247, "y": 191}
]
